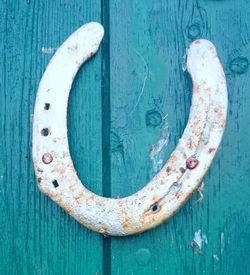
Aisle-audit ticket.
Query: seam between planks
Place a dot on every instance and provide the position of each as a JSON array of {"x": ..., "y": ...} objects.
[{"x": 106, "y": 119}]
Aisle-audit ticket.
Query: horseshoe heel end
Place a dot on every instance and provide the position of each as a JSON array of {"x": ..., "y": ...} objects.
[
  {"x": 49, "y": 120},
  {"x": 96, "y": 31},
  {"x": 200, "y": 53}
]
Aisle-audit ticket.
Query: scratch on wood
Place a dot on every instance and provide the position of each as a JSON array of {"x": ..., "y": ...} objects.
[{"x": 144, "y": 81}]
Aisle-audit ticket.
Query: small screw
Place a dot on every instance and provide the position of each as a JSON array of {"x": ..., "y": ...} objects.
[
  {"x": 47, "y": 158},
  {"x": 192, "y": 162}
]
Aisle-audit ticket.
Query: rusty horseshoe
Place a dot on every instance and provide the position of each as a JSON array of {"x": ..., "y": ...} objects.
[{"x": 176, "y": 181}]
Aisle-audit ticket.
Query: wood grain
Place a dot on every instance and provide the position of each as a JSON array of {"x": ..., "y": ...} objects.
[
  {"x": 130, "y": 100},
  {"x": 37, "y": 237}
]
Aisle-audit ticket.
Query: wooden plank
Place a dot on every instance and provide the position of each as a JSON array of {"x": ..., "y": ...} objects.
[
  {"x": 37, "y": 237},
  {"x": 150, "y": 99}
]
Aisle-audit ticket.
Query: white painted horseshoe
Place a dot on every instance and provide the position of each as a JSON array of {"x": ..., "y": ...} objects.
[{"x": 177, "y": 180}]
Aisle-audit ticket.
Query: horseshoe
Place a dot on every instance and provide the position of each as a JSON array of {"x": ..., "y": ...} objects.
[{"x": 177, "y": 180}]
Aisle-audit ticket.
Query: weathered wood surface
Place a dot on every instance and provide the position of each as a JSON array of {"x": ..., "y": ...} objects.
[
  {"x": 36, "y": 235},
  {"x": 130, "y": 100}
]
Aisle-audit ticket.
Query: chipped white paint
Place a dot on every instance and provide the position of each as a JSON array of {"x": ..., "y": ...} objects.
[
  {"x": 200, "y": 191},
  {"x": 157, "y": 150},
  {"x": 200, "y": 239},
  {"x": 222, "y": 242},
  {"x": 31, "y": 118},
  {"x": 216, "y": 257},
  {"x": 179, "y": 177},
  {"x": 48, "y": 50},
  {"x": 184, "y": 61}
]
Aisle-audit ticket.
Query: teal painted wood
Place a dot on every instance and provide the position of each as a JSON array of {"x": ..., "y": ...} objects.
[
  {"x": 125, "y": 100},
  {"x": 150, "y": 98},
  {"x": 37, "y": 237}
]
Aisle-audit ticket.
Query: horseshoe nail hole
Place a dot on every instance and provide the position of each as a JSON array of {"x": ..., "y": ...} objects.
[
  {"x": 182, "y": 170},
  {"x": 174, "y": 187},
  {"x": 45, "y": 132},
  {"x": 155, "y": 207},
  {"x": 55, "y": 183},
  {"x": 39, "y": 180},
  {"x": 46, "y": 106}
]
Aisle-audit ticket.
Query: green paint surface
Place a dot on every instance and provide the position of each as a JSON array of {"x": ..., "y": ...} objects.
[{"x": 130, "y": 98}]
